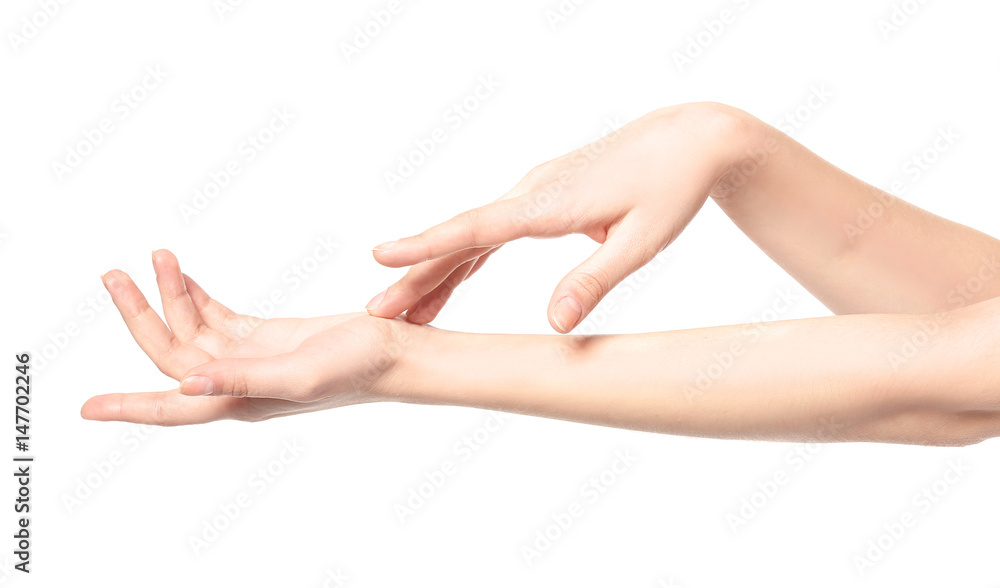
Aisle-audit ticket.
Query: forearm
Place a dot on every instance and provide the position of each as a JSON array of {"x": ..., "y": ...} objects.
[
  {"x": 856, "y": 248},
  {"x": 825, "y": 379}
]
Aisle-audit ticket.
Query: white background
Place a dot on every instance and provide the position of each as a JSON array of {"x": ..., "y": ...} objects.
[{"x": 667, "y": 519}]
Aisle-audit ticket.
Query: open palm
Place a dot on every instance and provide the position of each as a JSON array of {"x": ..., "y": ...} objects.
[{"x": 199, "y": 330}]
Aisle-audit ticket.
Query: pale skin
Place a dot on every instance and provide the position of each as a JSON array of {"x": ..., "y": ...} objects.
[{"x": 909, "y": 278}]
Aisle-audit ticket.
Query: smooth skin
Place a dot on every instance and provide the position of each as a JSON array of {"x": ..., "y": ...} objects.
[
  {"x": 635, "y": 190},
  {"x": 842, "y": 378}
]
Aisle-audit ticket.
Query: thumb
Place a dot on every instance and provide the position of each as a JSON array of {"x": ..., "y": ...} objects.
[
  {"x": 584, "y": 288},
  {"x": 268, "y": 377}
]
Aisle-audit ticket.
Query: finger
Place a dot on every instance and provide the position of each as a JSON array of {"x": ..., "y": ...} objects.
[
  {"x": 427, "y": 308},
  {"x": 178, "y": 308},
  {"x": 625, "y": 251},
  {"x": 170, "y": 355},
  {"x": 418, "y": 281},
  {"x": 493, "y": 224},
  {"x": 280, "y": 376},
  {"x": 213, "y": 313},
  {"x": 482, "y": 259},
  {"x": 430, "y": 305},
  {"x": 158, "y": 408}
]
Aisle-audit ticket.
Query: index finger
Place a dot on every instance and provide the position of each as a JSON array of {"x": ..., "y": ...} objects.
[
  {"x": 170, "y": 355},
  {"x": 486, "y": 226}
]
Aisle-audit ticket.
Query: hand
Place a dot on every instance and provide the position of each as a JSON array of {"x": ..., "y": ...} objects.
[
  {"x": 633, "y": 191},
  {"x": 240, "y": 367}
]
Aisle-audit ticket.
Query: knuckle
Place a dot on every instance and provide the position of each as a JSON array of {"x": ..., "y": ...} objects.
[
  {"x": 535, "y": 174},
  {"x": 158, "y": 412},
  {"x": 712, "y": 116},
  {"x": 470, "y": 220},
  {"x": 134, "y": 314},
  {"x": 176, "y": 295},
  {"x": 238, "y": 385},
  {"x": 592, "y": 283},
  {"x": 422, "y": 243},
  {"x": 545, "y": 212}
]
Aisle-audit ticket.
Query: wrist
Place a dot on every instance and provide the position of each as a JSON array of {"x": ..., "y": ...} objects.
[
  {"x": 731, "y": 145},
  {"x": 746, "y": 147},
  {"x": 433, "y": 366},
  {"x": 392, "y": 364}
]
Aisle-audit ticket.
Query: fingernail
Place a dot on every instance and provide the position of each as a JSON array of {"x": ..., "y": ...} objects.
[
  {"x": 567, "y": 313},
  {"x": 197, "y": 386},
  {"x": 374, "y": 302},
  {"x": 384, "y": 246},
  {"x": 111, "y": 283}
]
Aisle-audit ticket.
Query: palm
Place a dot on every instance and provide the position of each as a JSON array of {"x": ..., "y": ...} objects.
[
  {"x": 198, "y": 330},
  {"x": 247, "y": 336}
]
